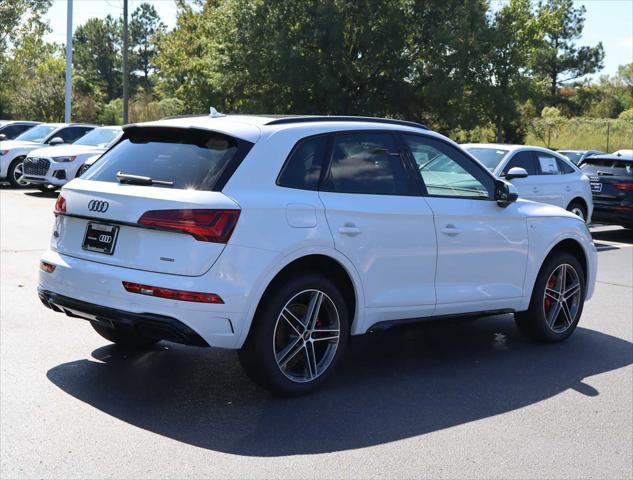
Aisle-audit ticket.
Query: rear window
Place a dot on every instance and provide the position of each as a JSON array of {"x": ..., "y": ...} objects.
[
  {"x": 303, "y": 167},
  {"x": 614, "y": 166},
  {"x": 191, "y": 159}
]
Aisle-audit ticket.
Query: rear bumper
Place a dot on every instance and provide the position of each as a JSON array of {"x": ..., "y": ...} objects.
[
  {"x": 156, "y": 327},
  {"x": 99, "y": 290}
]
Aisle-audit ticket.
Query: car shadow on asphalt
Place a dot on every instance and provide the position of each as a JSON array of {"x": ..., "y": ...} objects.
[
  {"x": 38, "y": 194},
  {"x": 620, "y": 235},
  {"x": 392, "y": 385}
]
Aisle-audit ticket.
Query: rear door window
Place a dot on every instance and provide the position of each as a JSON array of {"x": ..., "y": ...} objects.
[
  {"x": 547, "y": 164},
  {"x": 369, "y": 163},
  {"x": 303, "y": 168},
  {"x": 525, "y": 160},
  {"x": 192, "y": 159},
  {"x": 564, "y": 167}
]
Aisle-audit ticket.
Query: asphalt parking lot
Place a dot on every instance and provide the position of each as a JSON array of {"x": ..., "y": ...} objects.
[{"x": 452, "y": 400}]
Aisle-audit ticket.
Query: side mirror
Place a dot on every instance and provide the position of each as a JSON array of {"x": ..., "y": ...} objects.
[
  {"x": 516, "y": 172},
  {"x": 505, "y": 193},
  {"x": 2, "y": 137},
  {"x": 56, "y": 141}
]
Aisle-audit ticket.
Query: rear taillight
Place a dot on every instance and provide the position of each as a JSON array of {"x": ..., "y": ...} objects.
[
  {"x": 172, "y": 294},
  {"x": 204, "y": 224},
  {"x": 60, "y": 205},
  {"x": 624, "y": 186},
  {"x": 47, "y": 267}
]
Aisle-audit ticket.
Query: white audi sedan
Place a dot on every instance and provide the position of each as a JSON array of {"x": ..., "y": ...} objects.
[
  {"x": 281, "y": 237},
  {"x": 539, "y": 174},
  {"x": 51, "y": 167}
]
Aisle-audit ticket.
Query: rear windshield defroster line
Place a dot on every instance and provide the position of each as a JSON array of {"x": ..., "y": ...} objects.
[{"x": 191, "y": 158}]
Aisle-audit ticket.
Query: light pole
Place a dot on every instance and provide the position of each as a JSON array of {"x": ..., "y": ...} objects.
[
  {"x": 125, "y": 65},
  {"x": 69, "y": 59}
]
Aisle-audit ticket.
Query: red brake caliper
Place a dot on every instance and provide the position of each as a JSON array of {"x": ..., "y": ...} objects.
[{"x": 547, "y": 302}]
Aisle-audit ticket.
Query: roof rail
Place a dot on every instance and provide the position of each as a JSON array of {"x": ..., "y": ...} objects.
[
  {"x": 188, "y": 115},
  {"x": 336, "y": 118}
]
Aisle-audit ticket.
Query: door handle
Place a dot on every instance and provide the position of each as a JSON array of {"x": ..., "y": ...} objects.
[
  {"x": 349, "y": 229},
  {"x": 567, "y": 188},
  {"x": 450, "y": 230}
]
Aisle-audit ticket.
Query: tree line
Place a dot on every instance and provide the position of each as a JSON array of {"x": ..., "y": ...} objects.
[{"x": 459, "y": 66}]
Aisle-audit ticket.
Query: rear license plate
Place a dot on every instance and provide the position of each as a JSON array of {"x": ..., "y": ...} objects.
[
  {"x": 100, "y": 237},
  {"x": 596, "y": 187}
]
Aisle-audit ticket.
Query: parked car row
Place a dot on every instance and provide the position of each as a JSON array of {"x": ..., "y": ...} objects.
[
  {"x": 41, "y": 153},
  {"x": 50, "y": 168}
]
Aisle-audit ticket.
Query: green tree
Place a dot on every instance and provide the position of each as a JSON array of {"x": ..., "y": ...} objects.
[
  {"x": 625, "y": 74},
  {"x": 608, "y": 107},
  {"x": 626, "y": 115},
  {"x": 144, "y": 27},
  {"x": 557, "y": 59},
  {"x": 390, "y": 58},
  {"x": 21, "y": 26},
  {"x": 41, "y": 93},
  {"x": 97, "y": 55},
  {"x": 505, "y": 82},
  {"x": 19, "y": 18}
]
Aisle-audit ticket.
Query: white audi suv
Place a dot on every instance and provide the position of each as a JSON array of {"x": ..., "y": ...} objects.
[
  {"x": 282, "y": 237},
  {"x": 13, "y": 152},
  {"x": 539, "y": 174},
  {"x": 51, "y": 167}
]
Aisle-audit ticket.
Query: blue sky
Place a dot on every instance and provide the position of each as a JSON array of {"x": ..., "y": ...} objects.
[{"x": 608, "y": 21}]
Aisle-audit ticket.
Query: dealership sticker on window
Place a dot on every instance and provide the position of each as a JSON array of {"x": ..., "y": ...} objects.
[{"x": 548, "y": 165}]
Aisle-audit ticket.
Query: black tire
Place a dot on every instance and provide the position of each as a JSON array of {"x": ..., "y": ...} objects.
[
  {"x": 47, "y": 188},
  {"x": 258, "y": 356},
  {"x": 578, "y": 207},
  {"x": 124, "y": 338},
  {"x": 11, "y": 173},
  {"x": 533, "y": 322}
]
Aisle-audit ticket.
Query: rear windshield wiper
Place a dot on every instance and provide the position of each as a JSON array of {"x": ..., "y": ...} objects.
[{"x": 140, "y": 180}]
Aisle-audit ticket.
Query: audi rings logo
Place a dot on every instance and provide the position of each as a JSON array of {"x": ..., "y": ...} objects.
[
  {"x": 99, "y": 206},
  {"x": 105, "y": 238}
]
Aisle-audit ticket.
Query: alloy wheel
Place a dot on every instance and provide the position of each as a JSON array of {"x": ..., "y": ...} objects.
[
  {"x": 561, "y": 300},
  {"x": 306, "y": 336},
  {"x": 18, "y": 175},
  {"x": 578, "y": 212}
]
